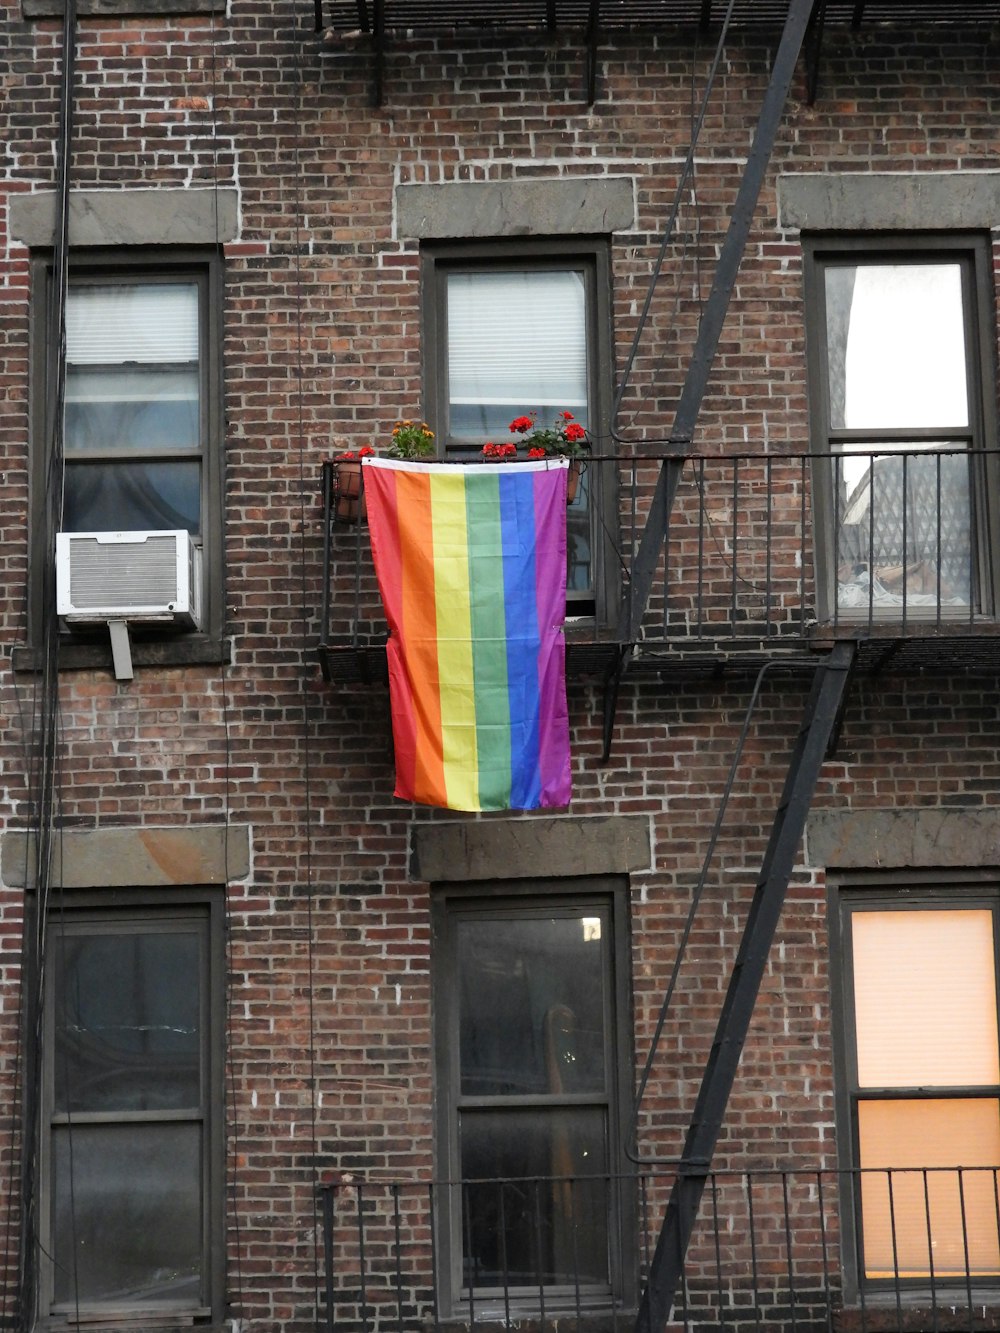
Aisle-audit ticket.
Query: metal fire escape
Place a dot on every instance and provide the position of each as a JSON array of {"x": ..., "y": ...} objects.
[
  {"x": 818, "y": 729},
  {"x": 802, "y": 25}
]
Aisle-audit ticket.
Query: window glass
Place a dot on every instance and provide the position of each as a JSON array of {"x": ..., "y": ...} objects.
[
  {"x": 531, "y": 1007},
  {"x": 140, "y": 431},
  {"x": 534, "y": 1213},
  {"x": 128, "y": 1022},
  {"x": 129, "y": 1093},
  {"x": 898, "y": 416},
  {"x": 132, "y": 355},
  {"x": 517, "y": 344},
  {"x": 528, "y": 1056},
  {"x": 958, "y": 1209},
  {"x": 940, "y": 1029},
  {"x": 896, "y": 346},
  {"x": 925, "y": 1090},
  {"x": 132, "y": 497},
  {"x": 523, "y": 331},
  {"x": 127, "y": 1214}
]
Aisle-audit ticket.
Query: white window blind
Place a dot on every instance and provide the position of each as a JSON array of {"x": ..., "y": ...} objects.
[
  {"x": 925, "y": 998},
  {"x": 146, "y": 323},
  {"x": 518, "y": 338}
]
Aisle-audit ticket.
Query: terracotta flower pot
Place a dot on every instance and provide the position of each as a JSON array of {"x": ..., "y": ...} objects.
[
  {"x": 349, "y": 499},
  {"x": 573, "y": 479}
]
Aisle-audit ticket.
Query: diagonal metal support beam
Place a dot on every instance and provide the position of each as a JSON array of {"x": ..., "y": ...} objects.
[
  {"x": 710, "y": 328},
  {"x": 819, "y": 727}
]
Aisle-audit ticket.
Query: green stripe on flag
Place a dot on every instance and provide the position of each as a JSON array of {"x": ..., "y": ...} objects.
[{"x": 489, "y": 639}]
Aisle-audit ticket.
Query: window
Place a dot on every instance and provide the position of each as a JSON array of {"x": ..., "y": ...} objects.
[
  {"x": 532, "y": 1064},
  {"x": 902, "y": 411},
  {"x": 131, "y": 1124},
  {"x": 922, "y": 1085},
  {"x": 514, "y": 330},
  {"x": 141, "y": 436}
]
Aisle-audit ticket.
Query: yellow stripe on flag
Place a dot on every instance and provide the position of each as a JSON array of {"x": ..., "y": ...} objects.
[{"x": 454, "y": 628}]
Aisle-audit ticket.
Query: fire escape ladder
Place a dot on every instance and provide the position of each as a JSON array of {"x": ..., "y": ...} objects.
[
  {"x": 819, "y": 729},
  {"x": 710, "y": 328}
]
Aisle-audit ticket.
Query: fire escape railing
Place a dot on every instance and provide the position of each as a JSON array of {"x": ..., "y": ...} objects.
[
  {"x": 760, "y": 554},
  {"x": 796, "y": 1249}
]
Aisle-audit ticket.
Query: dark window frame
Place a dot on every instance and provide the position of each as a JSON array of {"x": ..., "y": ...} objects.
[
  {"x": 90, "y": 647},
  {"x": 41, "y": 9},
  {"x": 474, "y": 899},
  {"x": 973, "y": 251},
  {"x": 895, "y": 891},
  {"x": 593, "y": 256},
  {"x": 118, "y": 909}
]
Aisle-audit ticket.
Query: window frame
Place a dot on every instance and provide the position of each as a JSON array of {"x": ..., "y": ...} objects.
[
  {"x": 118, "y": 910},
  {"x": 592, "y": 256},
  {"x": 203, "y": 266},
  {"x": 910, "y": 890},
  {"x": 454, "y": 902},
  {"x": 973, "y": 252}
]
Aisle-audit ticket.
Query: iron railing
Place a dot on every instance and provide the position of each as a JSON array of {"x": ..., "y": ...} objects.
[
  {"x": 758, "y": 552},
  {"x": 797, "y": 1250}
]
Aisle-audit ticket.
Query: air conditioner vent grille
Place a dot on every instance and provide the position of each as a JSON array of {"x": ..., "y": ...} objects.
[{"x": 148, "y": 571}]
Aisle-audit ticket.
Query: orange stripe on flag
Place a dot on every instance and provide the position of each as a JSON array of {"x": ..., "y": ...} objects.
[{"x": 413, "y": 503}]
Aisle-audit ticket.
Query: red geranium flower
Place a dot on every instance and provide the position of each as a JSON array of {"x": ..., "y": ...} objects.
[{"x": 500, "y": 452}]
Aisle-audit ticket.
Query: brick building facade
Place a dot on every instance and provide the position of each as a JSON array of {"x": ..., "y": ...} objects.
[{"x": 258, "y": 1015}]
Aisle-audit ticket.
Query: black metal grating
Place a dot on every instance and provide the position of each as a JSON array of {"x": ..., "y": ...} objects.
[
  {"x": 970, "y": 654},
  {"x": 541, "y": 15}
]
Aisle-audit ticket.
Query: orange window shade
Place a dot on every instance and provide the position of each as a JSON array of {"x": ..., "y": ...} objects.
[
  {"x": 922, "y": 1221},
  {"x": 925, "y": 999}
]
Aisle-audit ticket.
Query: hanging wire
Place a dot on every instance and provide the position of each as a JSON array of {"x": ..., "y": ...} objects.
[
  {"x": 306, "y": 487},
  {"x": 44, "y": 772},
  {"x": 232, "y": 1117}
]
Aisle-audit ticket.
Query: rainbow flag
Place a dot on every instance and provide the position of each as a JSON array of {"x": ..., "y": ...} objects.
[{"x": 471, "y": 564}]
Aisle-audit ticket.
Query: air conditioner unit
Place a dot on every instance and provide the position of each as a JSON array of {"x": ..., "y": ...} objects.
[{"x": 141, "y": 577}]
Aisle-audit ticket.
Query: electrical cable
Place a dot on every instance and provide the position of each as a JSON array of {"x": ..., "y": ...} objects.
[
  {"x": 230, "y": 1100},
  {"x": 43, "y": 779},
  {"x": 307, "y": 711}
]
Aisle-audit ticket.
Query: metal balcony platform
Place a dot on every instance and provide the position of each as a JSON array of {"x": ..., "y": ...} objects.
[{"x": 370, "y": 16}]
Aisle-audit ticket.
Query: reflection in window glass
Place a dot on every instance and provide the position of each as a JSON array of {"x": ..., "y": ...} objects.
[
  {"x": 896, "y": 346},
  {"x": 533, "y": 1122},
  {"x": 127, "y": 1091},
  {"x": 534, "y": 1214},
  {"x": 127, "y": 1214},
  {"x": 896, "y": 360},
  {"x": 128, "y": 1022},
  {"x": 132, "y": 497},
  {"x": 531, "y": 1007}
]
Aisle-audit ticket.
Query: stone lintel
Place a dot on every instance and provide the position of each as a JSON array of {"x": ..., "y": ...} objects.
[
  {"x": 901, "y": 839},
  {"x": 542, "y": 848},
  {"x": 492, "y": 210},
  {"x": 171, "y": 216},
  {"x": 133, "y": 857},
  {"x": 889, "y": 201}
]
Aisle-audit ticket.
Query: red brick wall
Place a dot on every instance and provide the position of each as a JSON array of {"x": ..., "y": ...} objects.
[{"x": 330, "y": 938}]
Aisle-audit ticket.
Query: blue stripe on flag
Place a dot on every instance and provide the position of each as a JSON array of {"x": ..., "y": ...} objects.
[{"x": 517, "y": 524}]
